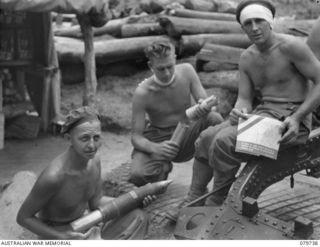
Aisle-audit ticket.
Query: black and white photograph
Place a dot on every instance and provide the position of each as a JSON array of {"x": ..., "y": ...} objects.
[{"x": 160, "y": 120}]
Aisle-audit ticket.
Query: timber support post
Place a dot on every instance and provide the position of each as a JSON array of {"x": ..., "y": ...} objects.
[{"x": 90, "y": 81}]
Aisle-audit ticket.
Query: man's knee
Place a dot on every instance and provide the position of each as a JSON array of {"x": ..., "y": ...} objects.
[
  {"x": 136, "y": 177},
  {"x": 149, "y": 172},
  {"x": 226, "y": 137},
  {"x": 205, "y": 140}
]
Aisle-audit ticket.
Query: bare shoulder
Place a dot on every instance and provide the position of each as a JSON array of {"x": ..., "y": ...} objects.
[
  {"x": 56, "y": 168},
  {"x": 247, "y": 56},
  {"x": 144, "y": 87},
  {"x": 289, "y": 44},
  {"x": 52, "y": 176}
]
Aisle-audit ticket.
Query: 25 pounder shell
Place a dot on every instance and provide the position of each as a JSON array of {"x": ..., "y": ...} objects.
[{"x": 119, "y": 206}]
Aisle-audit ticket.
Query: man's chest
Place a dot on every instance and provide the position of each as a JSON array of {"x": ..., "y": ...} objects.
[
  {"x": 169, "y": 99},
  {"x": 269, "y": 70},
  {"x": 76, "y": 190}
]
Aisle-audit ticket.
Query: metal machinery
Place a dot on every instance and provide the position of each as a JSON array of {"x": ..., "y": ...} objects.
[{"x": 239, "y": 216}]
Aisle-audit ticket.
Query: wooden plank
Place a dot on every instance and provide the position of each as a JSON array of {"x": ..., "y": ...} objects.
[
  {"x": 45, "y": 102},
  {"x": 1, "y": 117},
  {"x": 90, "y": 81}
]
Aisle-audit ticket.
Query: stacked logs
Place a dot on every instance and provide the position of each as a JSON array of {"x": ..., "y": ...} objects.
[{"x": 206, "y": 29}]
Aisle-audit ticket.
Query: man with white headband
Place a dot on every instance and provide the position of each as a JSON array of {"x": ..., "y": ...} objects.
[
  {"x": 164, "y": 98},
  {"x": 276, "y": 68},
  {"x": 255, "y": 9}
]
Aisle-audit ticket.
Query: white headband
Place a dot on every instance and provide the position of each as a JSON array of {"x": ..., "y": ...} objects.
[{"x": 257, "y": 11}]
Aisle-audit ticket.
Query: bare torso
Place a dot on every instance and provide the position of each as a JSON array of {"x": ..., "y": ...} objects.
[
  {"x": 174, "y": 99},
  {"x": 274, "y": 75},
  {"x": 73, "y": 192}
]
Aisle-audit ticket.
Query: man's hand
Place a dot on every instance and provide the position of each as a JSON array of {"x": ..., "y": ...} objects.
[
  {"x": 235, "y": 114},
  {"x": 148, "y": 200},
  {"x": 202, "y": 111},
  {"x": 167, "y": 150},
  {"x": 72, "y": 235},
  {"x": 289, "y": 130}
]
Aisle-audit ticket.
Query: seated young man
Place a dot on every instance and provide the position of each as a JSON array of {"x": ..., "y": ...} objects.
[
  {"x": 278, "y": 67},
  {"x": 71, "y": 184},
  {"x": 164, "y": 98}
]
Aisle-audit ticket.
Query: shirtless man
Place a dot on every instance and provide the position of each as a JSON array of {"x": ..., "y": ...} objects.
[
  {"x": 278, "y": 67},
  {"x": 71, "y": 184},
  {"x": 164, "y": 97}
]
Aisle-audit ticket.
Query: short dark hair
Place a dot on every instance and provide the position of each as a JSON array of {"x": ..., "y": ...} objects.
[
  {"x": 245, "y": 3},
  {"x": 159, "y": 49}
]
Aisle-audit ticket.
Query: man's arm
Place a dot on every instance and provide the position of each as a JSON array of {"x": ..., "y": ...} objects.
[
  {"x": 197, "y": 90},
  {"x": 138, "y": 123},
  {"x": 309, "y": 66},
  {"x": 98, "y": 199},
  {"x": 243, "y": 104},
  {"x": 45, "y": 187}
]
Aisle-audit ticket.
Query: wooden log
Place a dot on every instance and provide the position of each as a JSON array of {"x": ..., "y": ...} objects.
[
  {"x": 72, "y": 32},
  {"x": 226, "y": 6},
  {"x": 219, "y": 53},
  {"x": 177, "y": 26},
  {"x": 202, "y": 15},
  {"x": 64, "y": 17},
  {"x": 214, "y": 57},
  {"x": 212, "y": 66},
  {"x": 112, "y": 27},
  {"x": 294, "y": 27},
  {"x": 141, "y": 29},
  {"x": 90, "y": 81},
  {"x": 106, "y": 52},
  {"x": 191, "y": 44},
  {"x": 156, "y": 6},
  {"x": 200, "y": 5},
  {"x": 313, "y": 39},
  {"x": 103, "y": 37},
  {"x": 221, "y": 79}
]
